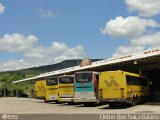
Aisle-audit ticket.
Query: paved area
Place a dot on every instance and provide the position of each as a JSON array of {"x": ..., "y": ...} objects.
[{"x": 36, "y": 106}]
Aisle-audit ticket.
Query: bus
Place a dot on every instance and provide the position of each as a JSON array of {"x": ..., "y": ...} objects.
[
  {"x": 39, "y": 89},
  {"x": 51, "y": 89},
  {"x": 66, "y": 88},
  {"x": 122, "y": 87},
  {"x": 86, "y": 87}
]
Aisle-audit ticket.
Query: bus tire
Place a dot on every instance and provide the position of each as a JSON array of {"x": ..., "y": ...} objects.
[
  {"x": 45, "y": 100},
  {"x": 88, "y": 104},
  {"x": 57, "y": 102},
  {"x": 70, "y": 103},
  {"x": 112, "y": 105},
  {"x": 134, "y": 101}
]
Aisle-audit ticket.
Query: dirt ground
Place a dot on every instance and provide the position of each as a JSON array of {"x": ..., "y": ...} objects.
[{"x": 13, "y": 105}]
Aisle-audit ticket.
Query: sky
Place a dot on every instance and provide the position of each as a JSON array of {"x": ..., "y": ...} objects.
[{"x": 42, "y": 32}]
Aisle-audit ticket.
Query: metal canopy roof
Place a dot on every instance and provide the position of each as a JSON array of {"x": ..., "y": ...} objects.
[{"x": 136, "y": 57}]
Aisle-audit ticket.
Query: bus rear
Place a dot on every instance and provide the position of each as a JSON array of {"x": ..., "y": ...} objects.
[
  {"x": 39, "y": 89},
  {"x": 86, "y": 86},
  {"x": 122, "y": 87},
  {"x": 51, "y": 89},
  {"x": 111, "y": 86},
  {"x": 66, "y": 88}
]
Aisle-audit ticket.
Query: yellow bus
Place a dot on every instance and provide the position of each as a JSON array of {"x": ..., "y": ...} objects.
[
  {"x": 51, "y": 89},
  {"x": 122, "y": 87},
  {"x": 66, "y": 88},
  {"x": 39, "y": 89}
]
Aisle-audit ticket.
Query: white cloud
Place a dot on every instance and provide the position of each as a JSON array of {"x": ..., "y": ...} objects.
[
  {"x": 12, "y": 65},
  {"x": 8, "y": 65},
  {"x": 149, "y": 41},
  {"x": 129, "y": 49},
  {"x": 35, "y": 54},
  {"x": 17, "y": 42},
  {"x": 2, "y": 8},
  {"x": 140, "y": 32},
  {"x": 72, "y": 53},
  {"x": 55, "y": 53},
  {"x": 147, "y": 8},
  {"x": 130, "y": 27},
  {"x": 47, "y": 13}
]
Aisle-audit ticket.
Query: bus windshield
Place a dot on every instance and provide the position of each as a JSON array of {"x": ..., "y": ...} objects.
[
  {"x": 66, "y": 80},
  {"x": 52, "y": 81},
  {"x": 83, "y": 77}
]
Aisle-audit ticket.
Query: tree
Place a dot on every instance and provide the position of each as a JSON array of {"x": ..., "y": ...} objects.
[{"x": 10, "y": 89}]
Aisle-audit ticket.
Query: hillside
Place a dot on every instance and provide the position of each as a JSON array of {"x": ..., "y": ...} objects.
[{"x": 47, "y": 68}]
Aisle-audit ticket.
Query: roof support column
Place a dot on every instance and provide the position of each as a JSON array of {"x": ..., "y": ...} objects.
[{"x": 140, "y": 71}]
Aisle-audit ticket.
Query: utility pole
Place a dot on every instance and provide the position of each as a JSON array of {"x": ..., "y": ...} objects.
[
  {"x": 4, "y": 95},
  {"x": 4, "y": 92},
  {"x": 16, "y": 90}
]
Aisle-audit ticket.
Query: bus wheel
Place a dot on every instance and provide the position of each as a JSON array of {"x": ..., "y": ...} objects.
[
  {"x": 70, "y": 103},
  {"x": 57, "y": 102},
  {"x": 112, "y": 105},
  {"x": 45, "y": 100},
  {"x": 88, "y": 104},
  {"x": 134, "y": 101}
]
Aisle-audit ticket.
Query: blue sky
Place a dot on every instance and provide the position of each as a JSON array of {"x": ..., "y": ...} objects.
[{"x": 34, "y": 33}]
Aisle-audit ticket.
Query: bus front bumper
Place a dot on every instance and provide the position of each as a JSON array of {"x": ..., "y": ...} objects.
[
  {"x": 83, "y": 100},
  {"x": 51, "y": 98},
  {"x": 65, "y": 99},
  {"x": 103, "y": 100},
  {"x": 39, "y": 97}
]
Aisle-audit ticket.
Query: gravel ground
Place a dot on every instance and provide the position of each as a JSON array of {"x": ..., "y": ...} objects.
[{"x": 13, "y": 105}]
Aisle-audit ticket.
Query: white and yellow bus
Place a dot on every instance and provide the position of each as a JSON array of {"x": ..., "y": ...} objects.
[
  {"x": 122, "y": 87},
  {"x": 51, "y": 89},
  {"x": 66, "y": 88},
  {"x": 86, "y": 87}
]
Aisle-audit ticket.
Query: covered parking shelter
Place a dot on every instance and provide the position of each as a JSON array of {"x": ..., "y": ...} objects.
[
  {"x": 147, "y": 65},
  {"x": 144, "y": 63}
]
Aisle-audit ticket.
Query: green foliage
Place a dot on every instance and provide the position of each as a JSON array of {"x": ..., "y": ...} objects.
[{"x": 7, "y": 88}]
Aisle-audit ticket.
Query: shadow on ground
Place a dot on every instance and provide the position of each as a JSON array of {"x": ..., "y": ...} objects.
[{"x": 118, "y": 106}]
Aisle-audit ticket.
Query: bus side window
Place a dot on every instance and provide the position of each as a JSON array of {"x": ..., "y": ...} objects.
[
  {"x": 132, "y": 80},
  {"x": 136, "y": 81}
]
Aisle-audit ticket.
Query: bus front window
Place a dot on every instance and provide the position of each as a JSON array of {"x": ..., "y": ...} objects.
[
  {"x": 52, "y": 81},
  {"x": 66, "y": 80},
  {"x": 83, "y": 77}
]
